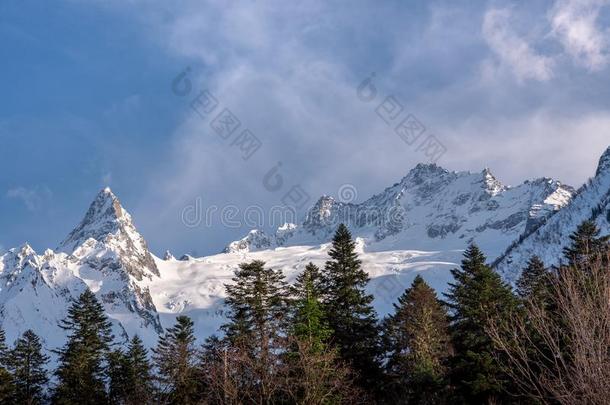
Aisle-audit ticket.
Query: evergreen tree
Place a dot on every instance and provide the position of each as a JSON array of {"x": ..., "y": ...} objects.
[
  {"x": 308, "y": 322},
  {"x": 81, "y": 370},
  {"x": 585, "y": 244},
  {"x": 256, "y": 330},
  {"x": 257, "y": 302},
  {"x": 130, "y": 375},
  {"x": 7, "y": 386},
  {"x": 476, "y": 297},
  {"x": 349, "y": 311},
  {"x": 117, "y": 376},
  {"x": 211, "y": 358},
  {"x": 174, "y": 358},
  {"x": 418, "y": 342},
  {"x": 139, "y": 379},
  {"x": 534, "y": 280},
  {"x": 27, "y": 365}
]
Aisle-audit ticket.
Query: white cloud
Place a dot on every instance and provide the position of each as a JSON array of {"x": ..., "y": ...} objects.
[
  {"x": 32, "y": 198},
  {"x": 512, "y": 50},
  {"x": 536, "y": 144},
  {"x": 574, "y": 24},
  {"x": 289, "y": 73}
]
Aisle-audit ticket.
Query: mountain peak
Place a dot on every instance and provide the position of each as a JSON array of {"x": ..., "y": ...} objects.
[
  {"x": 424, "y": 171},
  {"x": 104, "y": 216},
  {"x": 604, "y": 163},
  {"x": 429, "y": 168},
  {"x": 110, "y": 225},
  {"x": 492, "y": 184},
  {"x": 26, "y": 249}
]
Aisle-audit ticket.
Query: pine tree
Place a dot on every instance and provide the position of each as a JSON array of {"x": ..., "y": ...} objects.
[
  {"x": 308, "y": 321},
  {"x": 130, "y": 375},
  {"x": 7, "y": 386},
  {"x": 117, "y": 376},
  {"x": 27, "y": 365},
  {"x": 139, "y": 379},
  {"x": 257, "y": 302},
  {"x": 348, "y": 309},
  {"x": 256, "y": 330},
  {"x": 585, "y": 244},
  {"x": 314, "y": 371},
  {"x": 174, "y": 358},
  {"x": 211, "y": 363},
  {"x": 418, "y": 342},
  {"x": 534, "y": 280},
  {"x": 476, "y": 297},
  {"x": 81, "y": 371}
]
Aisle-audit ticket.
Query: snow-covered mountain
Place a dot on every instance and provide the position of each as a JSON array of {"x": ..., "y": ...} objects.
[
  {"x": 417, "y": 226},
  {"x": 591, "y": 202},
  {"x": 429, "y": 209},
  {"x": 104, "y": 253}
]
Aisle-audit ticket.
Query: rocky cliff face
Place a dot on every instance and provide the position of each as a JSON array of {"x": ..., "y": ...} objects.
[
  {"x": 591, "y": 202},
  {"x": 106, "y": 222},
  {"x": 429, "y": 209},
  {"x": 104, "y": 253},
  {"x": 416, "y": 226}
]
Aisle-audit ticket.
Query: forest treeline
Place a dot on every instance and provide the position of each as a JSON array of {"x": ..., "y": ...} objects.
[{"x": 319, "y": 341}]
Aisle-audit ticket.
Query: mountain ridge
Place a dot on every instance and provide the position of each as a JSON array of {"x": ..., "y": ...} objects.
[
  {"x": 420, "y": 200},
  {"x": 590, "y": 202},
  {"x": 419, "y": 225}
]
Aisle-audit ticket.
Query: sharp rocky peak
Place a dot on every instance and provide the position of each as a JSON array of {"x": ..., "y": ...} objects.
[
  {"x": 109, "y": 224},
  {"x": 104, "y": 217},
  {"x": 321, "y": 210},
  {"x": 492, "y": 184}
]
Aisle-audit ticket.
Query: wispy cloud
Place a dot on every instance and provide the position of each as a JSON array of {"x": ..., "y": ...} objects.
[
  {"x": 513, "y": 50},
  {"x": 575, "y": 25},
  {"x": 33, "y": 198}
]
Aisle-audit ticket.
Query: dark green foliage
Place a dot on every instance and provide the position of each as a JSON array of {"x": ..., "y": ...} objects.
[
  {"x": 117, "y": 376},
  {"x": 174, "y": 358},
  {"x": 417, "y": 341},
  {"x": 130, "y": 375},
  {"x": 349, "y": 309},
  {"x": 585, "y": 244},
  {"x": 139, "y": 378},
  {"x": 257, "y": 302},
  {"x": 7, "y": 387},
  {"x": 255, "y": 333},
  {"x": 210, "y": 357},
  {"x": 27, "y": 365},
  {"x": 308, "y": 321},
  {"x": 81, "y": 371},
  {"x": 534, "y": 280},
  {"x": 476, "y": 297}
]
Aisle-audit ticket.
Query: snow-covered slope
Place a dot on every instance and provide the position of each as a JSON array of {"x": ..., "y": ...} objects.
[
  {"x": 417, "y": 226},
  {"x": 429, "y": 209},
  {"x": 592, "y": 201},
  {"x": 104, "y": 253},
  {"x": 196, "y": 286}
]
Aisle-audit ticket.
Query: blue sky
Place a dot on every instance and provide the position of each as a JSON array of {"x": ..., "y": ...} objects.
[{"x": 522, "y": 88}]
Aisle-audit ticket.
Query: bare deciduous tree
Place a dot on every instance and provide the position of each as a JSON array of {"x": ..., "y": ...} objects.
[
  {"x": 301, "y": 376},
  {"x": 558, "y": 351}
]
